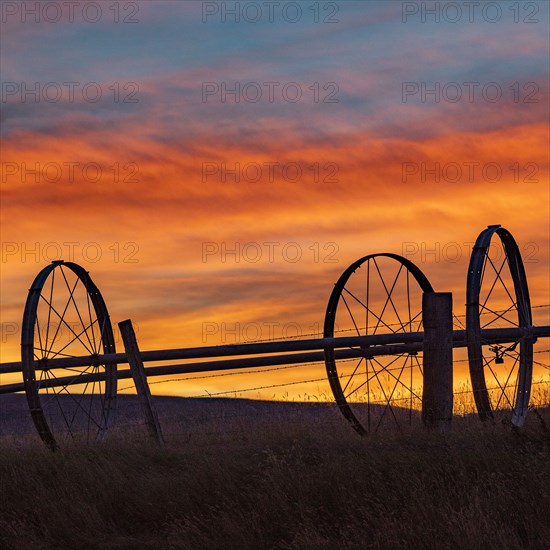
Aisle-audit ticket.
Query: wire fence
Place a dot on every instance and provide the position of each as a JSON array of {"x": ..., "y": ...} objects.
[
  {"x": 212, "y": 427},
  {"x": 239, "y": 391},
  {"x": 218, "y": 421},
  {"x": 248, "y": 372}
]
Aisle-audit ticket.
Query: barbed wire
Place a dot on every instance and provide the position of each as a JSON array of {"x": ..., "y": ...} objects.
[
  {"x": 224, "y": 374},
  {"x": 286, "y": 367},
  {"x": 255, "y": 371},
  {"x": 323, "y": 379},
  {"x": 242, "y": 390}
]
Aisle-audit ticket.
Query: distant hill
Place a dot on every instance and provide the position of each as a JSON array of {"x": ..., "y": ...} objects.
[{"x": 181, "y": 415}]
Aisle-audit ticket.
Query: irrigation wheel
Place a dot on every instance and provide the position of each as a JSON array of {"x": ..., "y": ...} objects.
[
  {"x": 65, "y": 316},
  {"x": 497, "y": 296},
  {"x": 380, "y": 293}
]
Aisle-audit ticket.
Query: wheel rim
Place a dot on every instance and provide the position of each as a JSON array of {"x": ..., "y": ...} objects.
[
  {"x": 65, "y": 316},
  {"x": 370, "y": 391},
  {"x": 498, "y": 297}
]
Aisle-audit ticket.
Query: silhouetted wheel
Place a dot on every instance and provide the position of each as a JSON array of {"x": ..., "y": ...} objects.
[
  {"x": 497, "y": 296},
  {"x": 378, "y": 294},
  {"x": 65, "y": 317}
]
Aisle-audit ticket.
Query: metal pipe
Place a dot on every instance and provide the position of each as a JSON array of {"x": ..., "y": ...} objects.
[
  {"x": 228, "y": 350},
  {"x": 222, "y": 364},
  {"x": 493, "y": 336}
]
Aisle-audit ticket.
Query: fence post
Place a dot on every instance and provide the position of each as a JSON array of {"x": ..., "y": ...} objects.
[
  {"x": 437, "y": 394},
  {"x": 140, "y": 380}
]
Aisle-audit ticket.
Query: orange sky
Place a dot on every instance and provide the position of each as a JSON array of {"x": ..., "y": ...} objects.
[{"x": 370, "y": 148}]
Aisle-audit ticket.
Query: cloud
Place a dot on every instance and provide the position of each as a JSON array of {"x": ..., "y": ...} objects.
[{"x": 378, "y": 174}]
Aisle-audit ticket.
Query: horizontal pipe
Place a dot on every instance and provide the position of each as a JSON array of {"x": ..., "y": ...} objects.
[
  {"x": 492, "y": 336},
  {"x": 459, "y": 341},
  {"x": 228, "y": 350},
  {"x": 227, "y": 364}
]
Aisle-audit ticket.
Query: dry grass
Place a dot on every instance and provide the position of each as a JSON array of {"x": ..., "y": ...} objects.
[{"x": 246, "y": 475}]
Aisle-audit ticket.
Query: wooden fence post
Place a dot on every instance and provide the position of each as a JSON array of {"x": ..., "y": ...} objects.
[
  {"x": 437, "y": 395},
  {"x": 140, "y": 380}
]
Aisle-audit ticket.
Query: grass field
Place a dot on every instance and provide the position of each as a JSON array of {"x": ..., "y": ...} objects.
[{"x": 244, "y": 474}]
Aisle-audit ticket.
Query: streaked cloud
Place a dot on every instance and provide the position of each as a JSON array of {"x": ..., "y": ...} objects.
[{"x": 363, "y": 144}]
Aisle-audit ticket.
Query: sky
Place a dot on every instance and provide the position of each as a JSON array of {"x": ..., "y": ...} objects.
[{"x": 215, "y": 166}]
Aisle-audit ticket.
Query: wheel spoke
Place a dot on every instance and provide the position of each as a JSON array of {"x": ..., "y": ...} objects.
[
  {"x": 95, "y": 346},
  {"x": 37, "y": 331},
  {"x": 499, "y": 315},
  {"x": 91, "y": 399},
  {"x": 398, "y": 379},
  {"x": 388, "y": 404},
  {"x": 388, "y": 293},
  {"x": 49, "y": 310},
  {"x": 368, "y": 394},
  {"x": 488, "y": 259},
  {"x": 71, "y": 381},
  {"x": 57, "y": 354},
  {"x": 352, "y": 374},
  {"x": 71, "y": 298},
  {"x": 488, "y": 364},
  {"x": 417, "y": 316},
  {"x": 60, "y": 407},
  {"x": 62, "y": 319},
  {"x": 372, "y": 313},
  {"x": 386, "y": 400},
  {"x": 77, "y": 337},
  {"x": 64, "y": 389},
  {"x": 418, "y": 365},
  {"x": 507, "y": 380},
  {"x": 409, "y": 301},
  {"x": 504, "y": 262},
  {"x": 367, "y": 298},
  {"x": 388, "y": 370},
  {"x": 366, "y": 381},
  {"x": 351, "y": 315},
  {"x": 81, "y": 398}
]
